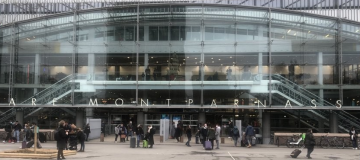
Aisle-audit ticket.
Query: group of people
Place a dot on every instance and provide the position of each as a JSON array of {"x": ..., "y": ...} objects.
[
  {"x": 67, "y": 135},
  {"x": 28, "y": 133},
  {"x": 205, "y": 133},
  {"x": 124, "y": 132}
]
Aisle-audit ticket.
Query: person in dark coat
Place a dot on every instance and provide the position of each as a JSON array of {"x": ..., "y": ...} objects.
[
  {"x": 81, "y": 137},
  {"x": 178, "y": 132},
  {"x": 211, "y": 136},
  {"x": 197, "y": 134},
  {"x": 140, "y": 134},
  {"x": 353, "y": 137},
  {"x": 309, "y": 143},
  {"x": 62, "y": 141},
  {"x": 151, "y": 132},
  {"x": 203, "y": 134},
  {"x": 188, "y": 134},
  {"x": 87, "y": 131}
]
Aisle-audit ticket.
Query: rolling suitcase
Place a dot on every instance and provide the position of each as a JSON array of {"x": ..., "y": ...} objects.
[
  {"x": 208, "y": 145},
  {"x": 23, "y": 144},
  {"x": 295, "y": 153},
  {"x": 145, "y": 144},
  {"x": 132, "y": 142}
]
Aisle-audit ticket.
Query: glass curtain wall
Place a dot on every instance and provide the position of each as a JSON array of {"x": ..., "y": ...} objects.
[{"x": 176, "y": 55}]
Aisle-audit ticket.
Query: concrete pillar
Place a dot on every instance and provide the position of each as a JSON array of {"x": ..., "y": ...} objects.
[
  {"x": 321, "y": 126},
  {"x": 334, "y": 122},
  {"x": 320, "y": 69},
  {"x": 91, "y": 66},
  {"x": 202, "y": 118},
  {"x": 37, "y": 73},
  {"x": 266, "y": 127},
  {"x": 80, "y": 119},
  {"x": 20, "y": 117},
  {"x": 89, "y": 112},
  {"x": 140, "y": 119},
  {"x": 260, "y": 63}
]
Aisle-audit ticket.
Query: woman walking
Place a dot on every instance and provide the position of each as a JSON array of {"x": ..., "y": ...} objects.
[
  {"x": 353, "y": 137},
  {"x": 309, "y": 143}
]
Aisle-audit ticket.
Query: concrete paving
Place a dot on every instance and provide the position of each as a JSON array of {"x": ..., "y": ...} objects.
[{"x": 171, "y": 150}]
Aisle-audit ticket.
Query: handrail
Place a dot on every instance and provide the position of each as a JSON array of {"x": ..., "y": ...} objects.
[
  {"x": 47, "y": 89},
  {"x": 302, "y": 89}
]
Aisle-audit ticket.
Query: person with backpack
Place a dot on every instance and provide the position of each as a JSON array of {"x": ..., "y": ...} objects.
[
  {"x": 81, "y": 137},
  {"x": 236, "y": 135},
  {"x": 61, "y": 137},
  {"x": 249, "y": 133}
]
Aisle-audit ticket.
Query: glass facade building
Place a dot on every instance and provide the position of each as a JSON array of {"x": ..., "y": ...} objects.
[{"x": 197, "y": 61}]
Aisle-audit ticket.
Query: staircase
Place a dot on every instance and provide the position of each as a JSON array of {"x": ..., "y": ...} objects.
[
  {"x": 303, "y": 97},
  {"x": 46, "y": 96}
]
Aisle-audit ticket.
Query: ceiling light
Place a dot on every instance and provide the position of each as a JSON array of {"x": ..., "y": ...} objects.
[
  {"x": 289, "y": 31},
  {"x": 230, "y": 57},
  {"x": 219, "y": 59},
  {"x": 128, "y": 57},
  {"x": 309, "y": 31},
  {"x": 357, "y": 31},
  {"x": 195, "y": 58},
  {"x": 187, "y": 57},
  {"x": 212, "y": 58},
  {"x": 152, "y": 57}
]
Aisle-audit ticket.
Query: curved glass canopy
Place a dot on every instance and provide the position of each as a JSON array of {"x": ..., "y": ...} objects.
[{"x": 181, "y": 56}]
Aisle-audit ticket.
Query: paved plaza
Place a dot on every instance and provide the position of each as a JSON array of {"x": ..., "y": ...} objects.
[{"x": 170, "y": 150}]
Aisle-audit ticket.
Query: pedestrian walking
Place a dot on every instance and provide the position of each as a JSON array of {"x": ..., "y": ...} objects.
[
  {"x": 87, "y": 131},
  {"x": 236, "y": 135},
  {"x": 116, "y": 129},
  {"x": 81, "y": 137},
  {"x": 309, "y": 143},
  {"x": 249, "y": 133},
  {"x": 211, "y": 136},
  {"x": 353, "y": 137},
  {"x": 217, "y": 135},
  {"x": 188, "y": 134}
]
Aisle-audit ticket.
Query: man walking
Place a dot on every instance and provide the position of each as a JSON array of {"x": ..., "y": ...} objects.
[
  {"x": 217, "y": 135},
  {"x": 249, "y": 133},
  {"x": 130, "y": 131}
]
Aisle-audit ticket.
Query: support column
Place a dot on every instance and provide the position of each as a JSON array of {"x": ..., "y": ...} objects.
[
  {"x": 321, "y": 95},
  {"x": 266, "y": 132},
  {"x": 80, "y": 118},
  {"x": 37, "y": 72},
  {"x": 20, "y": 117},
  {"x": 91, "y": 66},
  {"x": 320, "y": 69},
  {"x": 202, "y": 118},
  {"x": 260, "y": 63},
  {"x": 334, "y": 122},
  {"x": 141, "y": 119}
]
